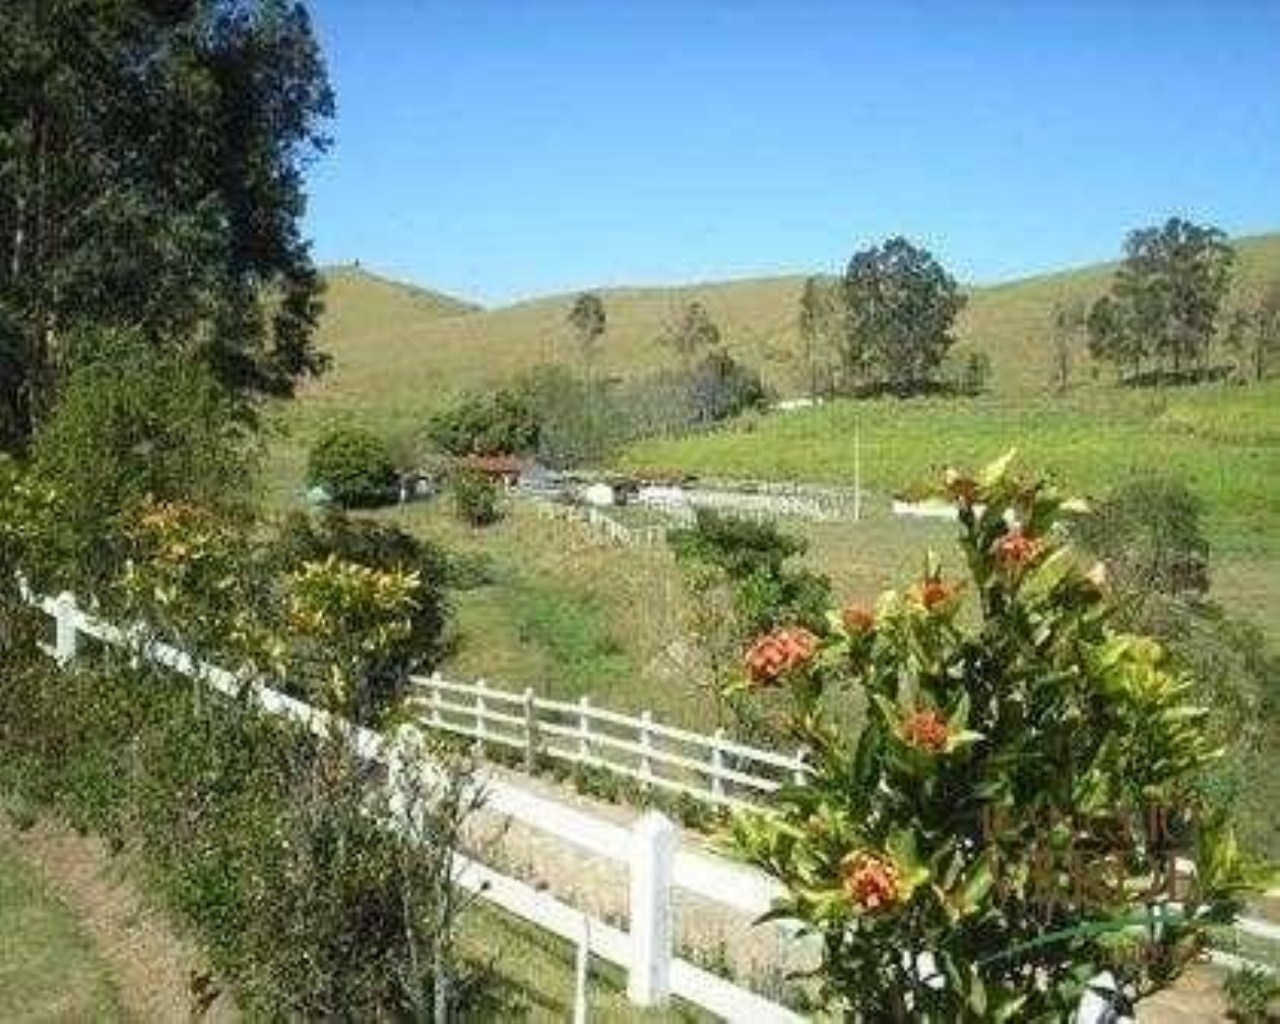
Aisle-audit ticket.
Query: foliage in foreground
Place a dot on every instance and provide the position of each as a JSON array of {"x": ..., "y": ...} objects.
[
  {"x": 153, "y": 178},
  {"x": 316, "y": 893},
  {"x": 1005, "y": 825}
]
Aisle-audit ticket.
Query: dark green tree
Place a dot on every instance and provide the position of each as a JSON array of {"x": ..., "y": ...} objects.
[
  {"x": 1168, "y": 293},
  {"x": 1253, "y": 333},
  {"x": 1067, "y": 322},
  {"x": 820, "y": 325},
  {"x": 902, "y": 306},
  {"x": 588, "y": 320},
  {"x": 691, "y": 332},
  {"x": 151, "y": 179}
]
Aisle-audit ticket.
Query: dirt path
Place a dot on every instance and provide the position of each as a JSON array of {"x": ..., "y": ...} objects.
[{"x": 157, "y": 972}]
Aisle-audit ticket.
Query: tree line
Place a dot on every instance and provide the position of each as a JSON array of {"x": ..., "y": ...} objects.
[{"x": 151, "y": 192}]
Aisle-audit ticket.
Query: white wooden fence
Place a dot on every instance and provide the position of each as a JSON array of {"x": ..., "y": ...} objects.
[
  {"x": 649, "y": 849},
  {"x": 711, "y": 768},
  {"x": 603, "y": 524}
]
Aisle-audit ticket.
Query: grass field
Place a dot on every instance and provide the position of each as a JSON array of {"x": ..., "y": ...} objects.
[
  {"x": 569, "y": 617},
  {"x": 400, "y": 351},
  {"x": 48, "y": 969}
]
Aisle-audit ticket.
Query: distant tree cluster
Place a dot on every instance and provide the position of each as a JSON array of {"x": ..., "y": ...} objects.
[
  {"x": 886, "y": 326},
  {"x": 1161, "y": 312}
]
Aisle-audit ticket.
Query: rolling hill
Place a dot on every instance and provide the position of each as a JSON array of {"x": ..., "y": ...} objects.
[{"x": 400, "y": 350}]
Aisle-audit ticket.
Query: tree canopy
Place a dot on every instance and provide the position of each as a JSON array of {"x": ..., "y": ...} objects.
[
  {"x": 151, "y": 179},
  {"x": 692, "y": 331},
  {"x": 901, "y": 308},
  {"x": 589, "y": 322},
  {"x": 1165, "y": 298}
]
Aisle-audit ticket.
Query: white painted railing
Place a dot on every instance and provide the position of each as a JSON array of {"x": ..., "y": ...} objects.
[
  {"x": 603, "y": 523},
  {"x": 711, "y": 768},
  {"x": 649, "y": 849}
]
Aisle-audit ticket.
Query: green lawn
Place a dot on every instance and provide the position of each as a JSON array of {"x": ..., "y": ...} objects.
[
  {"x": 48, "y": 969},
  {"x": 534, "y": 975},
  {"x": 566, "y": 613},
  {"x": 1223, "y": 440}
]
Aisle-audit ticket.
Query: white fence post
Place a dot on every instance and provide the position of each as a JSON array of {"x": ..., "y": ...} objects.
[
  {"x": 653, "y": 853},
  {"x": 530, "y": 731},
  {"x": 581, "y": 970},
  {"x": 436, "y": 717},
  {"x": 646, "y": 745},
  {"x": 480, "y": 707},
  {"x": 584, "y": 728},
  {"x": 717, "y": 764},
  {"x": 800, "y": 773},
  {"x": 66, "y": 632}
]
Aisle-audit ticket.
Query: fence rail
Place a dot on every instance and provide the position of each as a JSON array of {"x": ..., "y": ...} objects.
[
  {"x": 712, "y": 768},
  {"x": 649, "y": 849}
]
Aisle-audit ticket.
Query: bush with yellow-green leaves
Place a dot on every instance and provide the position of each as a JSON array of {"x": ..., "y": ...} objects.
[{"x": 1005, "y": 826}]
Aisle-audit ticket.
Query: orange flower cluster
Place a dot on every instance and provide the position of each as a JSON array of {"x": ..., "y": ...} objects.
[
  {"x": 1016, "y": 549},
  {"x": 778, "y": 653},
  {"x": 858, "y": 619},
  {"x": 871, "y": 883},
  {"x": 926, "y": 730},
  {"x": 935, "y": 595}
]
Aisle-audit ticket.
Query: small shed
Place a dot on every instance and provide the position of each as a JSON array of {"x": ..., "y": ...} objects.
[{"x": 503, "y": 469}]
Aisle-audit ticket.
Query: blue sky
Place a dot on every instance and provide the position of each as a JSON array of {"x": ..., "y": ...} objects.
[{"x": 501, "y": 150}]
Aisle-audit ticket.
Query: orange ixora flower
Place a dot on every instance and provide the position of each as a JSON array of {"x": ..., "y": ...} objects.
[
  {"x": 872, "y": 883},
  {"x": 776, "y": 654},
  {"x": 934, "y": 595},
  {"x": 926, "y": 730},
  {"x": 1016, "y": 549},
  {"x": 858, "y": 619}
]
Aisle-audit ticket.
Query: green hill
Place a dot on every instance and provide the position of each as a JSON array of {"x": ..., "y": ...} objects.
[{"x": 400, "y": 350}]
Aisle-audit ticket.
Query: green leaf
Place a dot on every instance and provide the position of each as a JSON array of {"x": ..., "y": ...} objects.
[{"x": 994, "y": 472}]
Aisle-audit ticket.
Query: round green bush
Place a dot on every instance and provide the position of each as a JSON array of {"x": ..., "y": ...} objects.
[
  {"x": 354, "y": 467},
  {"x": 475, "y": 498}
]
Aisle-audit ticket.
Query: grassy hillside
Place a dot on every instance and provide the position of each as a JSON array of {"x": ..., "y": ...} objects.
[{"x": 399, "y": 351}]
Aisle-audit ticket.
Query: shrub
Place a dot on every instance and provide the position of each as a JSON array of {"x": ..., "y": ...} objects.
[
  {"x": 720, "y": 387},
  {"x": 475, "y": 498},
  {"x": 498, "y": 423},
  {"x": 353, "y": 466},
  {"x": 1250, "y": 991},
  {"x": 1006, "y": 824},
  {"x": 313, "y": 538},
  {"x": 128, "y": 425}
]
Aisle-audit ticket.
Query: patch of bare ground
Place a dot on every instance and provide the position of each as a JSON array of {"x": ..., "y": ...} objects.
[{"x": 159, "y": 974}]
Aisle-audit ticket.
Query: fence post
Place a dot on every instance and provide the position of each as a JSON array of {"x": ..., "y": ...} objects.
[
  {"x": 581, "y": 969},
  {"x": 66, "y": 621},
  {"x": 800, "y": 773},
  {"x": 646, "y": 745},
  {"x": 584, "y": 728},
  {"x": 530, "y": 731},
  {"x": 717, "y": 764},
  {"x": 653, "y": 851},
  {"x": 436, "y": 717},
  {"x": 480, "y": 707}
]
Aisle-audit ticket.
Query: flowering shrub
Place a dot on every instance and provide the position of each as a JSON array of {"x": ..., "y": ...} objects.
[
  {"x": 351, "y": 615},
  {"x": 1004, "y": 826}
]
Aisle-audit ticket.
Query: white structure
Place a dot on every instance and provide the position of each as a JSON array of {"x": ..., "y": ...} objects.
[
  {"x": 599, "y": 495},
  {"x": 711, "y": 768}
]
